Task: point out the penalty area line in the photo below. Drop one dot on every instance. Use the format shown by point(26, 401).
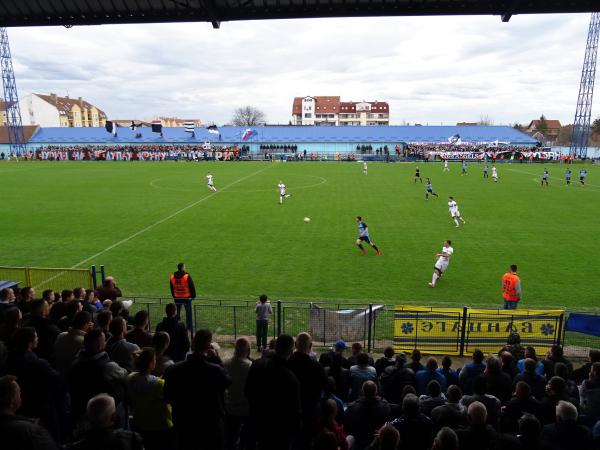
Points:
point(169, 217)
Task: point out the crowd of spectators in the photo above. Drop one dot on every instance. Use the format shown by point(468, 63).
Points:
point(78, 371)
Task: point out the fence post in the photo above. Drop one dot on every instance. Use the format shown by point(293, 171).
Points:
point(28, 276)
point(94, 282)
point(463, 331)
point(234, 324)
point(561, 335)
point(102, 273)
point(278, 317)
point(369, 331)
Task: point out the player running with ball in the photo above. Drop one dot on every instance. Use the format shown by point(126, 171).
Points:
point(443, 259)
point(363, 236)
point(282, 192)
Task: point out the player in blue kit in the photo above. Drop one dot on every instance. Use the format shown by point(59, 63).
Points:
point(363, 236)
point(582, 174)
point(545, 177)
point(429, 189)
point(568, 176)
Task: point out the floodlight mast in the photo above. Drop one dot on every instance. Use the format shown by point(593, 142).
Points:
point(583, 112)
point(16, 136)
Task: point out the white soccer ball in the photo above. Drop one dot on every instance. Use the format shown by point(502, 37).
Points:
point(307, 219)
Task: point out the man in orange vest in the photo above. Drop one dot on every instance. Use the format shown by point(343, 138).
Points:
point(511, 288)
point(183, 292)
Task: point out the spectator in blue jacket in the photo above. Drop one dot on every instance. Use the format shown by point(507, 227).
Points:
point(429, 373)
point(471, 371)
point(450, 374)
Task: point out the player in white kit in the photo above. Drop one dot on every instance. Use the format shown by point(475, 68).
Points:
point(494, 174)
point(209, 182)
point(441, 264)
point(454, 212)
point(365, 167)
point(282, 192)
point(446, 168)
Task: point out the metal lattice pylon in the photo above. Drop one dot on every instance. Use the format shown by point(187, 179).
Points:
point(16, 136)
point(583, 113)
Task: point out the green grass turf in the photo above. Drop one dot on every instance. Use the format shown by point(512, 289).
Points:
point(240, 242)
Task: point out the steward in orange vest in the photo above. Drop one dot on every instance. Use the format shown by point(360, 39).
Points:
point(182, 286)
point(511, 288)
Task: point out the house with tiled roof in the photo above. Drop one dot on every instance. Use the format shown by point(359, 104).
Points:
point(51, 110)
point(547, 132)
point(330, 111)
point(171, 122)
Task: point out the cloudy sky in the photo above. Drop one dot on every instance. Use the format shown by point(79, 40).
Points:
point(438, 70)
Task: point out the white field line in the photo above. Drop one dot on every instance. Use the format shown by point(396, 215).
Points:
point(169, 217)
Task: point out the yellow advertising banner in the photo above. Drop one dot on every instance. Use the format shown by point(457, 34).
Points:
point(459, 331)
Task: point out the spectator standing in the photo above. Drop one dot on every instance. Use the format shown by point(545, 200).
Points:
point(357, 349)
point(183, 292)
point(10, 324)
point(453, 414)
point(385, 361)
point(387, 438)
point(514, 347)
point(26, 296)
point(508, 364)
point(427, 374)
point(46, 331)
point(394, 379)
point(471, 371)
point(555, 356)
point(530, 433)
point(41, 388)
point(263, 310)
point(522, 402)
point(365, 416)
point(565, 433)
point(359, 374)
point(69, 343)
point(589, 393)
point(330, 424)
point(312, 379)
point(140, 335)
point(531, 353)
point(446, 370)
point(93, 373)
point(179, 342)
point(101, 412)
point(511, 288)
point(491, 403)
point(109, 290)
point(446, 439)
point(236, 403)
point(119, 350)
point(498, 383)
point(18, 432)
point(415, 428)
point(151, 415)
point(160, 343)
point(272, 386)
point(432, 398)
point(583, 372)
point(195, 389)
point(478, 435)
point(556, 391)
point(338, 349)
point(415, 361)
point(536, 381)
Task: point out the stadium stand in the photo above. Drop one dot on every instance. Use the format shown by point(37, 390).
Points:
point(71, 389)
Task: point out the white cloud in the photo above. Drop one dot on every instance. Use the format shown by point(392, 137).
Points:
point(432, 70)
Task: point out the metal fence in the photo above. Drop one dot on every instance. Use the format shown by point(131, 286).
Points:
point(373, 325)
point(42, 278)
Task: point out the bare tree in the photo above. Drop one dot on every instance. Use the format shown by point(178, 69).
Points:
point(248, 116)
point(485, 120)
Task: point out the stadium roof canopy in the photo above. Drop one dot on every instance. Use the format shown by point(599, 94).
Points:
point(288, 135)
point(15, 13)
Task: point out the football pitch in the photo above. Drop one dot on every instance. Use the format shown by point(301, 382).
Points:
point(140, 219)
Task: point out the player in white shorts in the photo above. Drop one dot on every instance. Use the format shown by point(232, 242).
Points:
point(282, 192)
point(494, 174)
point(365, 167)
point(454, 212)
point(446, 168)
point(443, 259)
point(209, 182)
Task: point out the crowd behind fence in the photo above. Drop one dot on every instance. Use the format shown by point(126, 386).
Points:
point(459, 330)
